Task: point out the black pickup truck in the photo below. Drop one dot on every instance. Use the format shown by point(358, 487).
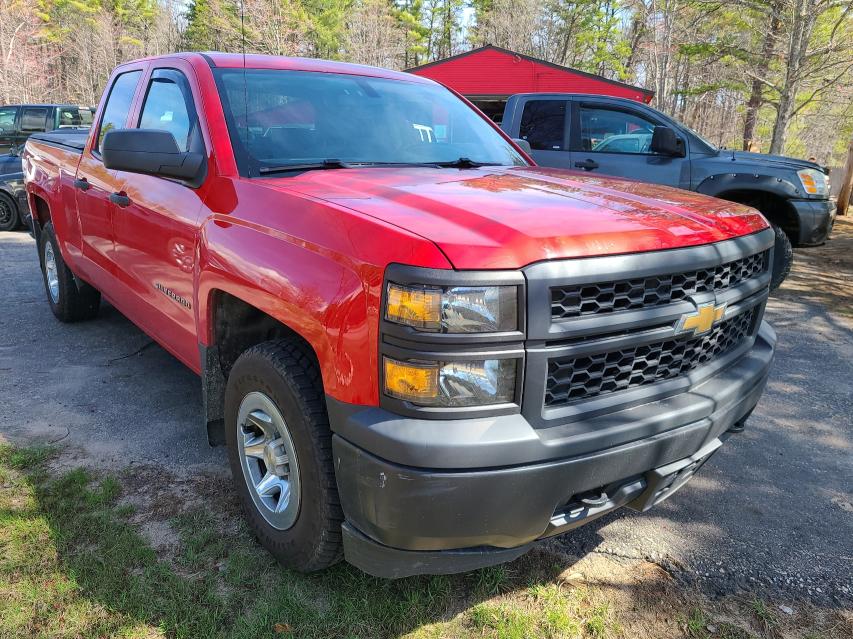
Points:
point(616, 136)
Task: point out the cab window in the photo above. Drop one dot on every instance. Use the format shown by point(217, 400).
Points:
point(118, 104)
point(33, 119)
point(169, 107)
point(613, 131)
point(543, 124)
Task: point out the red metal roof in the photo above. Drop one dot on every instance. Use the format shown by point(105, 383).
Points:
point(492, 71)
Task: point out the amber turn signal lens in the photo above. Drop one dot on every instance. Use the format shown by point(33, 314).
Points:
point(417, 307)
point(410, 382)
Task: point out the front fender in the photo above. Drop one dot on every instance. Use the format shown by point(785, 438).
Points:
point(720, 184)
point(323, 282)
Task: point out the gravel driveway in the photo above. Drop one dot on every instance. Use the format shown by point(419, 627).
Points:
point(772, 512)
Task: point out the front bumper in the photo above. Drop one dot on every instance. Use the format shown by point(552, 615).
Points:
point(458, 512)
point(816, 219)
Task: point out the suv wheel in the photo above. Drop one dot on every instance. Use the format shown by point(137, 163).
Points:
point(8, 213)
point(280, 453)
point(69, 301)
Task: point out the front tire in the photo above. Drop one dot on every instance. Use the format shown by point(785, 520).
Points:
point(783, 257)
point(9, 216)
point(69, 301)
point(280, 453)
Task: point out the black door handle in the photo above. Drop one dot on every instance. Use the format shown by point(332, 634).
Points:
point(120, 199)
point(82, 184)
point(587, 165)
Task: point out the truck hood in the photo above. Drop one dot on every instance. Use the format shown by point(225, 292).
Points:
point(508, 217)
point(762, 160)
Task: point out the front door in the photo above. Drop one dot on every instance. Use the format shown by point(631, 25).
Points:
point(156, 224)
point(610, 140)
point(96, 186)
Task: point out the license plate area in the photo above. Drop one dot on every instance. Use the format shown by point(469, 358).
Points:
point(663, 482)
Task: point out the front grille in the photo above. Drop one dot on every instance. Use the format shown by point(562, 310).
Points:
point(622, 295)
point(575, 378)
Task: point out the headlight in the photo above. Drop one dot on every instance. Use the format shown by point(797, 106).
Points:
point(814, 182)
point(453, 309)
point(451, 384)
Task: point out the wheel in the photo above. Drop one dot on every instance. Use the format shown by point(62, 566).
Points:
point(280, 453)
point(69, 301)
point(783, 257)
point(9, 218)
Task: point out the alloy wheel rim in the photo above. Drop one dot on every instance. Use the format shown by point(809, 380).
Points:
point(268, 460)
point(50, 272)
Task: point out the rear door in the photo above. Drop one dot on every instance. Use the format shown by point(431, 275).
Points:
point(544, 124)
point(613, 139)
point(8, 118)
point(97, 186)
point(156, 226)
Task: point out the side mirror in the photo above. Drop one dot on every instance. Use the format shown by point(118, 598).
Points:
point(152, 152)
point(524, 144)
point(665, 142)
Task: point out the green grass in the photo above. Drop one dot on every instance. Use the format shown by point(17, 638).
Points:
point(72, 564)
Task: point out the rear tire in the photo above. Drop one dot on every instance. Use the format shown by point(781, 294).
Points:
point(9, 216)
point(69, 301)
point(783, 257)
point(279, 443)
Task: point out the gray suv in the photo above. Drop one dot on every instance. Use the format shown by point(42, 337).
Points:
point(616, 136)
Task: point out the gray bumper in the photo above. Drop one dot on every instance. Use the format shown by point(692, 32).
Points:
point(405, 518)
point(816, 218)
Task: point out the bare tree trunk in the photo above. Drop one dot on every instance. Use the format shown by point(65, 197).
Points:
point(846, 183)
point(802, 26)
point(756, 96)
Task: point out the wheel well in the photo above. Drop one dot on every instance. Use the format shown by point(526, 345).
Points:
point(236, 327)
point(42, 210)
point(775, 208)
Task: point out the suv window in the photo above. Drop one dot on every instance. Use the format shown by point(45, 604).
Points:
point(118, 104)
point(33, 119)
point(543, 124)
point(169, 107)
point(614, 131)
point(7, 118)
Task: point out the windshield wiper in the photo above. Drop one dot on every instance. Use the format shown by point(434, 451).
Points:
point(330, 163)
point(465, 163)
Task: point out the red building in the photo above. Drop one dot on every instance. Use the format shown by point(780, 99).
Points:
point(489, 75)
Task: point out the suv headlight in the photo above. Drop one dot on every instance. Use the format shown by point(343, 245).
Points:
point(814, 182)
point(453, 309)
point(451, 384)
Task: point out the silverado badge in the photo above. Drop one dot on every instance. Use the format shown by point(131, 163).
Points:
point(701, 320)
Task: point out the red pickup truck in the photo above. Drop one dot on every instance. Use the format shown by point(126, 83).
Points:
point(423, 352)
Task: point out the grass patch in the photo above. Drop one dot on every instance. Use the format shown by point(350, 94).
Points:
point(72, 564)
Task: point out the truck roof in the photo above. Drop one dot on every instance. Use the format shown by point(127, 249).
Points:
point(219, 60)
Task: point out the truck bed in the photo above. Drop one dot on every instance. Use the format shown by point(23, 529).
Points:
point(69, 139)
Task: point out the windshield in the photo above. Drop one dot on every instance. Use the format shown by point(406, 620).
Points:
point(279, 117)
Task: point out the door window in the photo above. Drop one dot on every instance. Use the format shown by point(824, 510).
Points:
point(7, 119)
point(169, 107)
point(543, 124)
point(612, 131)
point(118, 104)
point(33, 119)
